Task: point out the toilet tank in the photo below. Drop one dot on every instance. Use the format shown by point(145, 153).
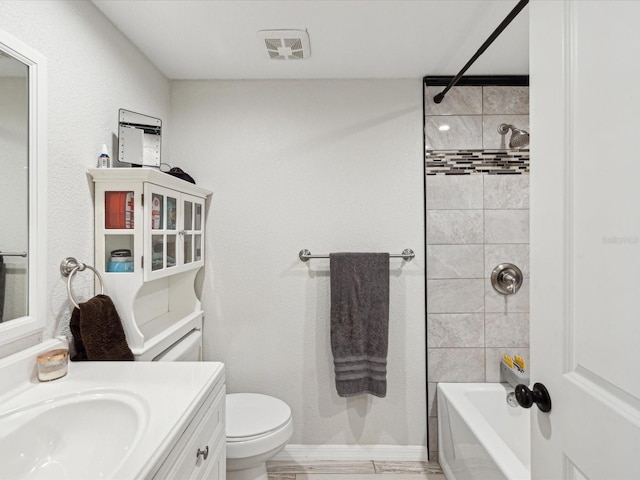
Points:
point(187, 349)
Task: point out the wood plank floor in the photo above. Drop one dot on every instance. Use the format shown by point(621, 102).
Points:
point(367, 470)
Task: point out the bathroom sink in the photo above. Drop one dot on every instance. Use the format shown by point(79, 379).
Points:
point(103, 420)
point(78, 436)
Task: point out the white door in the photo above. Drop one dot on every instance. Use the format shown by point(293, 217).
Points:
point(585, 237)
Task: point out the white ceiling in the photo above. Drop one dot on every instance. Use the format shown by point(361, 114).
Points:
point(216, 39)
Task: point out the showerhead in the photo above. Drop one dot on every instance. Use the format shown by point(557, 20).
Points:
point(519, 138)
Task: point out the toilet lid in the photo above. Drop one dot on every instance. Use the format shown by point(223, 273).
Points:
point(251, 414)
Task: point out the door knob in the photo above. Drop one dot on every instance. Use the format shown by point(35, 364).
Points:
point(539, 395)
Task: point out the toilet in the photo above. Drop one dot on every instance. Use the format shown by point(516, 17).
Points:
point(258, 427)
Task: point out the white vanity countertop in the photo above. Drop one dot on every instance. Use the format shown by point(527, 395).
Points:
point(166, 396)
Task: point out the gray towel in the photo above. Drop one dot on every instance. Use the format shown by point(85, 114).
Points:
point(360, 322)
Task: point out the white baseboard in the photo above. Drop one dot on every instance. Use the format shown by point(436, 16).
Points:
point(346, 453)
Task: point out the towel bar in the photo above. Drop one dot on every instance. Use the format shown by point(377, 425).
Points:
point(68, 268)
point(407, 254)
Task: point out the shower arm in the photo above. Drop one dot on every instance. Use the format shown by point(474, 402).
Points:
point(496, 33)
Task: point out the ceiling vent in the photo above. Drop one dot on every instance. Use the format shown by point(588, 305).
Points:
point(286, 44)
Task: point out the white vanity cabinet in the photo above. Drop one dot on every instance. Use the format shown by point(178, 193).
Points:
point(199, 453)
point(149, 247)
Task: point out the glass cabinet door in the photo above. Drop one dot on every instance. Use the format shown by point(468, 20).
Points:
point(172, 230)
point(175, 223)
point(197, 227)
point(161, 213)
point(157, 226)
point(193, 229)
point(188, 235)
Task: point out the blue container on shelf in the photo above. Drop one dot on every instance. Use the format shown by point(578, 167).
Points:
point(121, 261)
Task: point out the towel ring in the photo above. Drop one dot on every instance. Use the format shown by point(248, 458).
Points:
point(68, 268)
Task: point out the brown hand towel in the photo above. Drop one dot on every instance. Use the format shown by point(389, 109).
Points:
point(97, 331)
point(360, 322)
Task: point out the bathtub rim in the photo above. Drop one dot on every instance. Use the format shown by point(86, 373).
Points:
point(454, 393)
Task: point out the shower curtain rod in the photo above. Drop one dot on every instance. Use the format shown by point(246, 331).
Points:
point(496, 33)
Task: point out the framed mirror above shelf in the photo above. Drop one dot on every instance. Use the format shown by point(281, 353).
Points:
point(23, 159)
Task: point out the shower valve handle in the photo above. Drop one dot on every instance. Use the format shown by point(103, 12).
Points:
point(539, 395)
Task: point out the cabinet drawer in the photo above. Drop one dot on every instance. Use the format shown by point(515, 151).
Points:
point(205, 433)
point(209, 438)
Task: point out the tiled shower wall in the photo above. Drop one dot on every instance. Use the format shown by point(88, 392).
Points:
point(477, 201)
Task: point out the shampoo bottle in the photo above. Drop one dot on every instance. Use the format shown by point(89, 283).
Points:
point(104, 161)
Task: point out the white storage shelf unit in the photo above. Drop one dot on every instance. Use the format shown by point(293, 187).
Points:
point(149, 246)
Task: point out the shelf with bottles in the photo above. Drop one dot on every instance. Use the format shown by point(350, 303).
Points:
point(119, 253)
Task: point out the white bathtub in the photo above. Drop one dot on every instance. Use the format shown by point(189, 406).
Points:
point(480, 437)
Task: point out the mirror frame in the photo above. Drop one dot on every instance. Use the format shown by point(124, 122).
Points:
point(33, 324)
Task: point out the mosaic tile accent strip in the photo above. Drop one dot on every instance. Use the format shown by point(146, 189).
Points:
point(470, 162)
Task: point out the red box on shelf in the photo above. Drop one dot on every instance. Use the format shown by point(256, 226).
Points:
point(118, 210)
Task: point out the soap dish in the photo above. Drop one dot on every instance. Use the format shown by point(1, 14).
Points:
point(512, 376)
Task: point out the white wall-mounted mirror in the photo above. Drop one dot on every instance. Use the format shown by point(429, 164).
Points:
point(14, 184)
point(23, 193)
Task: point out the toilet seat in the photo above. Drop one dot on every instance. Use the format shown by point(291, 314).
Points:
point(253, 414)
point(256, 424)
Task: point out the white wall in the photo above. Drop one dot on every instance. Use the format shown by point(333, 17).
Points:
point(324, 165)
point(93, 70)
